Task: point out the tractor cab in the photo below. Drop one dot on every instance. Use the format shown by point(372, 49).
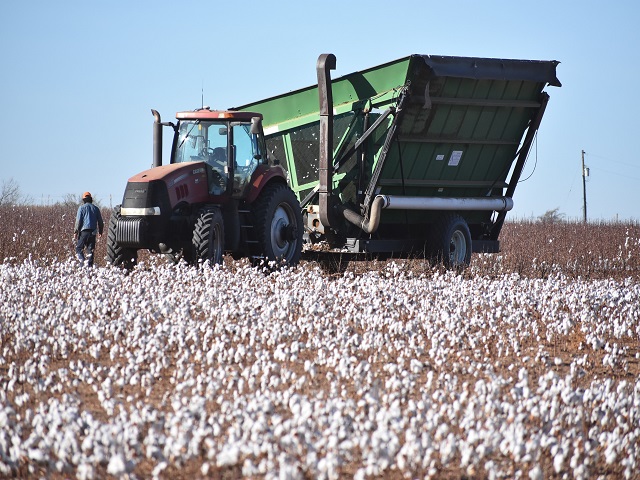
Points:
point(230, 144)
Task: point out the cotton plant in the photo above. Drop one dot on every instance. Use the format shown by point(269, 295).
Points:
point(182, 371)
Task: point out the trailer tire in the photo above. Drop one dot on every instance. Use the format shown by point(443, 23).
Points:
point(208, 236)
point(116, 255)
point(278, 225)
point(451, 241)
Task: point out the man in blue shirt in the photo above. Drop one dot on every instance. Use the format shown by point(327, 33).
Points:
point(88, 223)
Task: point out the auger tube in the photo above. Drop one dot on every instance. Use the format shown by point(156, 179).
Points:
point(393, 202)
point(463, 204)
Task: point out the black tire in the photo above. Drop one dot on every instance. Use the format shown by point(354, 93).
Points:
point(451, 241)
point(116, 255)
point(278, 225)
point(208, 236)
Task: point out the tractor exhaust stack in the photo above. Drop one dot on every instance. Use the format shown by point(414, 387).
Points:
point(157, 139)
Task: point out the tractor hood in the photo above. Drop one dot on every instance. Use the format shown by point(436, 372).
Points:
point(170, 174)
point(160, 189)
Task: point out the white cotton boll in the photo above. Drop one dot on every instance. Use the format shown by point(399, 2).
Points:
point(117, 465)
point(36, 455)
point(324, 466)
point(558, 462)
point(159, 468)
point(135, 379)
point(229, 456)
point(287, 470)
point(448, 449)
point(249, 469)
point(536, 473)
point(85, 472)
point(361, 474)
point(307, 410)
point(610, 453)
point(416, 366)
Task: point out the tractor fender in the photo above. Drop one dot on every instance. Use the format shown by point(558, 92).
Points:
point(263, 176)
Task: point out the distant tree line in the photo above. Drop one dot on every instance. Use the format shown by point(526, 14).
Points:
point(552, 216)
point(10, 194)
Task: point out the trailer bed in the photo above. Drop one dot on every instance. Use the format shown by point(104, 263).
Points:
point(422, 127)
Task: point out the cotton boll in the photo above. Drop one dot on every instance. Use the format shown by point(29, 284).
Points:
point(117, 465)
point(558, 462)
point(159, 468)
point(85, 472)
point(228, 456)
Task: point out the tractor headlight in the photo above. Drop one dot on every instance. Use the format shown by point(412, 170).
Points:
point(139, 212)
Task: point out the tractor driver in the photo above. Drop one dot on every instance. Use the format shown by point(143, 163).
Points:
point(216, 158)
point(215, 155)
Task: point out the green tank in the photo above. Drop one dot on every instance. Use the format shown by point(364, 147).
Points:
point(418, 155)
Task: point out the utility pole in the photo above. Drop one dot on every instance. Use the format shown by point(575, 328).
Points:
point(585, 174)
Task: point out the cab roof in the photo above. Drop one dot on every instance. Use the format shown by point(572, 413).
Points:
point(206, 114)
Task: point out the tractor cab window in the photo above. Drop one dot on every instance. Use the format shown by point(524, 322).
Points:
point(246, 156)
point(205, 142)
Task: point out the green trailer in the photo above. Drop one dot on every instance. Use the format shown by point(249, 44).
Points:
point(420, 155)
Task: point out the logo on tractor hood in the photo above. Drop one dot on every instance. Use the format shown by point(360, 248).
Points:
point(178, 179)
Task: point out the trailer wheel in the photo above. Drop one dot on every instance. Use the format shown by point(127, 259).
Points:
point(278, 225)
point(451, 241)
point(117, 255)
point(208, 236)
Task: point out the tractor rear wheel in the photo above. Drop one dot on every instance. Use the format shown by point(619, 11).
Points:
point(208, 236)
point(278, 225)
point(451, 241)
point(117, 255)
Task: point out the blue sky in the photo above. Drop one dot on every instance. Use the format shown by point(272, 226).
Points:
point(79, 78)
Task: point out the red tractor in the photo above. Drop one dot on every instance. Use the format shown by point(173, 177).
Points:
point(220, 192)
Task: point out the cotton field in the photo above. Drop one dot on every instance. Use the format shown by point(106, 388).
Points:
point(190, 372)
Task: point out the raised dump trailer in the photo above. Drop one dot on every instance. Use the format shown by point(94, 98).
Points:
point(420, 155)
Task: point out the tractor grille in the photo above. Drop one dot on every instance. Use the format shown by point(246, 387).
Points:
point(131, 232)
point(147, 194)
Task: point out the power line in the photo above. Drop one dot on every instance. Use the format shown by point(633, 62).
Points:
point(615, 173)
point(611, 160)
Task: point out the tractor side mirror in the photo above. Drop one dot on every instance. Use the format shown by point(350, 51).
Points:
point(256, 125)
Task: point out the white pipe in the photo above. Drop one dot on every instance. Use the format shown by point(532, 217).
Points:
point(392, 202)
point(499, 204)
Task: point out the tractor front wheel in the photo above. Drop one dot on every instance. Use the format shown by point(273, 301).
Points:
point(208, 236)
point(117, 255)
